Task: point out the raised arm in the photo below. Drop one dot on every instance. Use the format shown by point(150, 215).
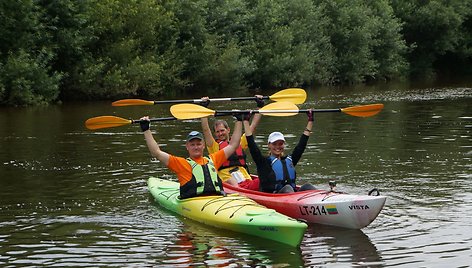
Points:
point(257, 117)
point(205, 126)
point(209, 140)
point(302, 143)
point(253, 148)
point(235, 138)
point(151, 143)
point(309, 124)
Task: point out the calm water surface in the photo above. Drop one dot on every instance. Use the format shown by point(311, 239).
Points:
point(73, 197)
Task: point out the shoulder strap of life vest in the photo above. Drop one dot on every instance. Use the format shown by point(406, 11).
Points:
point(204, 177)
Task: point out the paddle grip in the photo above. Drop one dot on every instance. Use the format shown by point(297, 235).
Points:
point(144, 124)
point(311, 115)
point(260, 102)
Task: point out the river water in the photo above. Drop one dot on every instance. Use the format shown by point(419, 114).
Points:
point(74, 197)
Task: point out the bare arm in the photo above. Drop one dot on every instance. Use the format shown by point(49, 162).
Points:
point(247, 128)
point(235, 139)
point(154, 147)
point(309, 124)
point(207, 132)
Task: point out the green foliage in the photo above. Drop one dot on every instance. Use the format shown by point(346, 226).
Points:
point(434, 28)
point(390, 49)
point(224, 65)
point(26, 81)
point(366, 41)
point(107, 49)
point(122, 53)
point(26, 54)
point(288, 44)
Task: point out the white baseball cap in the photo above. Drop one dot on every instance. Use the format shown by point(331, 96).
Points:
point(275, 136)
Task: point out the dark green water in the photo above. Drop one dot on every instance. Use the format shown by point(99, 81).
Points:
point(73, 197)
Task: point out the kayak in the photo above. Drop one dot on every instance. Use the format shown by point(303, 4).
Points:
point(232, 212)
point(326, 207)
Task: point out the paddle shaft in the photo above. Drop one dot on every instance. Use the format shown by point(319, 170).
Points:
point(211, 100)
point(227, 112)
point(155, 119)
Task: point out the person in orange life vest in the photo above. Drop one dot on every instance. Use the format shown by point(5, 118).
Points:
point(277, 171)
point(197, 174)
point(234, 171)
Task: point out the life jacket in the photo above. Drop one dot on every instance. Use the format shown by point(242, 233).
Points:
point(238, 158)
point(204, 181)
point(284, 172)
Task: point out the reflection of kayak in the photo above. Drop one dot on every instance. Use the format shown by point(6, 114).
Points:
point(354, 245)
point(233, 212)
point(320, 206)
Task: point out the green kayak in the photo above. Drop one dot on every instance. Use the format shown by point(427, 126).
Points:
point(232, 212)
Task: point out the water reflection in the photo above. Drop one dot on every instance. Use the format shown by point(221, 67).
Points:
point(325, 245)
point(202, 245)
point(198, 245)
point(72, 238)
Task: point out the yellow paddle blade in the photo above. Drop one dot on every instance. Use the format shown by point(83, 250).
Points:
point(131, 102)
point(363, 110)
point(106, 122)
point(293, 95)
point(280, 108)
point(190, 111)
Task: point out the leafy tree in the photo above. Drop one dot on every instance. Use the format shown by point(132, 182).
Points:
point(52, 50)
point(26, 54)
point(365, 38)
point(27, 80)
point(390, 49)
point(225, 65)
point(118, 56)
point(432, 29)
point(287, 44)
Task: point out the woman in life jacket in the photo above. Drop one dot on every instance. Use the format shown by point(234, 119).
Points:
point(277, 172)
point(197, 174)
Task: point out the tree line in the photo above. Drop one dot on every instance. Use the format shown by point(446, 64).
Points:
point(54, 50)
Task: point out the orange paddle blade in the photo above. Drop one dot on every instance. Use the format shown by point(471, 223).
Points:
point(106, 122)
point(363, 110)
point(131, 102)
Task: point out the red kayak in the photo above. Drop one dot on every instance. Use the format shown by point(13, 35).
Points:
point(328, 207)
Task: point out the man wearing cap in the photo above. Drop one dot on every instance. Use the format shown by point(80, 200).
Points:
point(277, 171)
point(197, 174)
point(235, 170)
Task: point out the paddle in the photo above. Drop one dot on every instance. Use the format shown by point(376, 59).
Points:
point(191, 111)
point(293, 95)
point(108, 121)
